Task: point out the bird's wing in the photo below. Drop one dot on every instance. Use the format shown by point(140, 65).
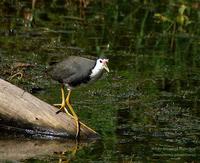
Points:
point(62, 70)
point(71, 69)
point(81, 70)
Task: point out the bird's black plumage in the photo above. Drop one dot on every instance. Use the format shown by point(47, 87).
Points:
point(72, 71)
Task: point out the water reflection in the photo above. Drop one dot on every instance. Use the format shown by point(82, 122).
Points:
point(18, 149)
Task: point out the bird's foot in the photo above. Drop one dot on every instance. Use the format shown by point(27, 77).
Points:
point(77, 127)
point(62, 108)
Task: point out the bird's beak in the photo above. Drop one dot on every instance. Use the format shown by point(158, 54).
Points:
point(105, 66)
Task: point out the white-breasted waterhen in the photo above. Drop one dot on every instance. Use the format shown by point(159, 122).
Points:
point(74, 71)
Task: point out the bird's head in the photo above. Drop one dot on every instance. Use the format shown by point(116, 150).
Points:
point(102, 64)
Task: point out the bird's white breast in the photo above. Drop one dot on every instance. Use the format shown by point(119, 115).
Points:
point(96, 73)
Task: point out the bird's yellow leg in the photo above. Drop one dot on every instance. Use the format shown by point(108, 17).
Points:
point(63, 104)
point(73, 113)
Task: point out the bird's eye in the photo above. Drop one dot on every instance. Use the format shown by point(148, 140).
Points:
point(100, 61)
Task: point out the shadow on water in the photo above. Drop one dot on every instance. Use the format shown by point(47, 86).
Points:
point(145, 109)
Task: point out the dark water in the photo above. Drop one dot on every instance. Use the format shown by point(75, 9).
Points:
point(146, 109)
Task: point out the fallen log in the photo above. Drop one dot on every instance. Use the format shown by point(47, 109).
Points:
point(21, 112)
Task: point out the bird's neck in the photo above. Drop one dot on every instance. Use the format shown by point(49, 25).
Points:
point(96, 72)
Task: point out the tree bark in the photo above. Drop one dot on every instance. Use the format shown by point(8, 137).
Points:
point(23, 113)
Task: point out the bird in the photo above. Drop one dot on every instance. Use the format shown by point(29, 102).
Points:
point(74, 71)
